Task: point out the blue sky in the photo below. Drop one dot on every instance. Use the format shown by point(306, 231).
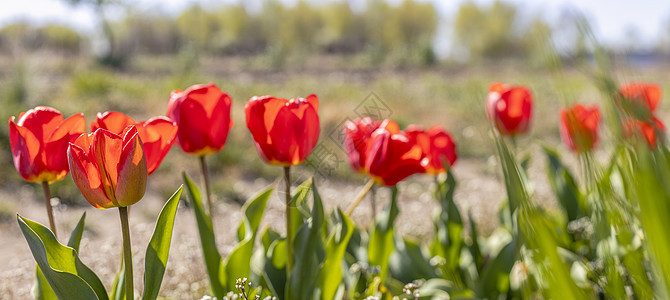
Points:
point(611, 18)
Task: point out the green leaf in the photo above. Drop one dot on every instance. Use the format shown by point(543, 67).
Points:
point(410, 261)
point(66, 274)
point(494, 280)
point(542, 238)
point(330, 276)
point(381, 240)
point(158, 249)
point(564, 187)
point(237, 265)
point(41, 289)
point(274, 271)
point(448, 241)
point(119, 284)
point(307, 254)
point(211, 254)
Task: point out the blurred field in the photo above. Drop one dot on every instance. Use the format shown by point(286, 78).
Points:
point(448, 95)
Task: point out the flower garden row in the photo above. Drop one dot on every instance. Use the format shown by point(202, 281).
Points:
point(111, 164)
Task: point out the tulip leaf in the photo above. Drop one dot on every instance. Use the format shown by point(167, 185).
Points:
point(307, 254)
point(237, 265)
point(380, 245)
point(119, 284)
point(448, 240)
point(274, 271)
point(158, 250)
point(41, 289)
point(564, 187)
point(66, 274)
point(213, 261)
point(330, 276)
point(494, 279)
point(410, 261)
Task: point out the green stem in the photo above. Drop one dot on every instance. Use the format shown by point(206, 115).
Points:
point(289, 239)
point(203, 168)
point(373, 203)
point(368, 186)
point(50, 211)
point(127, 252)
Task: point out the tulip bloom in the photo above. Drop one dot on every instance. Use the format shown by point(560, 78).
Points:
point(437, 145)
point(284, 131)
point(110, 170)
point(579, 127)
point(356, 136)
point(648, 130)
point(510, 108)
point(641, 95)
point(392, 156)
point(39, 141)
point(202, 113)
point(157, 134)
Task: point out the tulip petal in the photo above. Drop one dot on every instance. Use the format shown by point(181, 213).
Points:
point(132, 171)
point(113, 121)
point(105, 152)
point(41, 121)
point(87, 177)
point(55, 153)
point(157, 135)
point(25, 149)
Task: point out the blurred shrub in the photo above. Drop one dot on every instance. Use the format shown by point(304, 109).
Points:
point(145, 33)
point(23, 36)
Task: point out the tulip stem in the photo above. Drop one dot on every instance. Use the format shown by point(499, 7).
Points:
point(368, 186)
point(289, 238)
point(373, 203)
point(208, 192)
point(127, 252)
point(50, 211)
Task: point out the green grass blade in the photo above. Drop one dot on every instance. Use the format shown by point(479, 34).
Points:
point(158, 250)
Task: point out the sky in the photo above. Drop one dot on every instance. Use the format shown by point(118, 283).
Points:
point(611, 19)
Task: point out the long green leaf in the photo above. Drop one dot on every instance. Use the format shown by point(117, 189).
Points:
point(564, 187)
point(66, 274)
point(158, 249)
point(448, 240)
point(237, 265)
point(211, 254)
point(41, 289)
point(381, 246)
point(307, 254)
point(330, 276)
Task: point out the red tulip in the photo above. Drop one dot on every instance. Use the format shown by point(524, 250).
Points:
point(110, 170)
point(510, 108)
point(648, 130)
point(437, 145)
point(392, 156)
point(284, 131)
point(643, 95)
point(203, 115)
point(39, 141)
point(356, 136)
point(579, 127)
point(157, 134)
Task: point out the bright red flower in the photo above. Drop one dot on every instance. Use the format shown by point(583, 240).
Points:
point(648, 130)
point(639, 94)
point(579, 126)
point(391, 156)
point(39, 141)
point(157, 134)
point(356, 136)
point(284, 131)
point(203, 114)
point(437, 145)
point(510, 108)
point(110, 170)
